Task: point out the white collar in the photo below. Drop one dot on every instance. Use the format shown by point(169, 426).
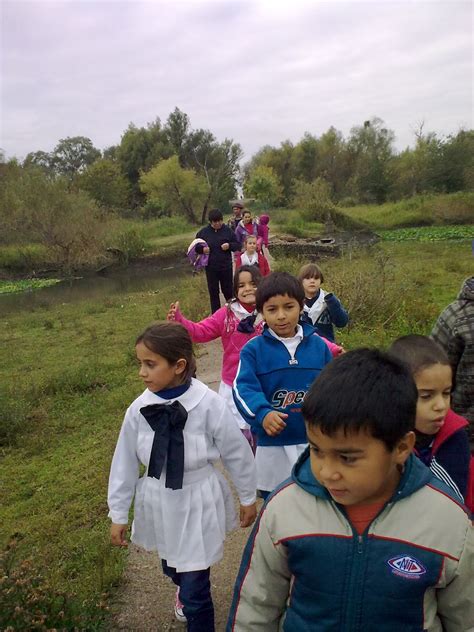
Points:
point(189, 399)
point(297, 337)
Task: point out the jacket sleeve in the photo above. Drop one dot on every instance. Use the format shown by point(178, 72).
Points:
point(199, 248)
point(332, 346)
point(263, 583)
point(233, 240)
point(236, 455)
point(266, 267)
point(247, 390)
point(455, 602)
point(444, 334)
point(205, 330)
point(338, 314)
point(238, 260)
point(124, 471)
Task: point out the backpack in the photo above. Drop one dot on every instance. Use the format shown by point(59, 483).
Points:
point(198, 261)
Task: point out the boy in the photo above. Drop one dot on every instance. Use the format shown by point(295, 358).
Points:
point(274, 374)
point(362, 537)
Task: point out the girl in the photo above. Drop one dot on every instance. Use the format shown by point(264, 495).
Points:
point(177, 428)
point(251, 257)
point(263, 230)
point(441, 439)
point(235, 324)
point(321, 309)
point(246, 226)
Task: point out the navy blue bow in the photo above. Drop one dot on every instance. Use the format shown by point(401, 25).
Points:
point(247, 324)
point(167, 421)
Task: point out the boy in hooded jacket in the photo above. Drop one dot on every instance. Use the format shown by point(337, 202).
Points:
point(362, 536)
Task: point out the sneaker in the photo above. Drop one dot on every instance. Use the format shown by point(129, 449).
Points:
point(178, 609)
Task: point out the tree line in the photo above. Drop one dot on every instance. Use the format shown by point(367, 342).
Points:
point(169, 168)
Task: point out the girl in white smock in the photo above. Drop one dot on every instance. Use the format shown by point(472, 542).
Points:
point(177, 428)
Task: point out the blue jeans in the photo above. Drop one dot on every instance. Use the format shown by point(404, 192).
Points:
point(195, 595)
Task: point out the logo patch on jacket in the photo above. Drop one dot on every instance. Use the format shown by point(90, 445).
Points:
point(283, 398)
point(406, 566)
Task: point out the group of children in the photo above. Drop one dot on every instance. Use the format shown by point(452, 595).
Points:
point(363, 468)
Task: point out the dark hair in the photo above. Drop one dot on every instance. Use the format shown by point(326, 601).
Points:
point(279, 284)
point(310, 271)
point(363, 389)
point(215, 215)
point(252, 270)
point(171, 341)
point(418, 352)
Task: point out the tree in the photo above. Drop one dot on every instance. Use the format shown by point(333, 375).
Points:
point(72, 155)
point(177, 130)
point(40, 210)
point(264, 184)
point(314, 198)
point(106, 184)
point(175, 189)
point(40, 159)
point(371, 153)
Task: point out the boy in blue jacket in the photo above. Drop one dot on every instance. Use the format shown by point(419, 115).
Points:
point(362, 537)
point(275, 371)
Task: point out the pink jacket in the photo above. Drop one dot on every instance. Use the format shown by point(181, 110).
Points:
point(223, 324)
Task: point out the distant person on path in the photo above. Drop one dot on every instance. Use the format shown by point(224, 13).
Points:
point(263, 231)
point(246, 226)
point(221, 243)
point(321, 309)
point(251, 257)
point(441, 438)
point(454, 331)
point(362, 537)
point(178, 428)
point(237, 209)
point(235, 324)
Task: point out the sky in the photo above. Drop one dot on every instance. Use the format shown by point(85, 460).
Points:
point(255, 71)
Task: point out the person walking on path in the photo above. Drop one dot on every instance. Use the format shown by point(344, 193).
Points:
point(177, 428)
point(454, 331)
point(221, 243)
point(247, 226)
point(237, 209)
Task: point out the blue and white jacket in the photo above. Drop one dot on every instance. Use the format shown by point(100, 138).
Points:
point(306, 569)
point(324, 313)
point(268, 378)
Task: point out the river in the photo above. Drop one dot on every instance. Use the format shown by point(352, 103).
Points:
point(134, 278)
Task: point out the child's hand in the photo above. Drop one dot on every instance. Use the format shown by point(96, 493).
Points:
point(225, 246)
point(273, 423)
point(206, 250)
point(248, 513)
point(172, 311)
point(117, 534)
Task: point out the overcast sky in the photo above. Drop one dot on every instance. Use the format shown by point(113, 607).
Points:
point(256, 71)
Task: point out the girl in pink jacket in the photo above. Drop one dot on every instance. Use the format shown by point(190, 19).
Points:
point(235, 324)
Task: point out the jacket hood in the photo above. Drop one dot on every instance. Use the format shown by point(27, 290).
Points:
point(452, 423)
point(264, 219)
point(415, 476)
point(467, 290)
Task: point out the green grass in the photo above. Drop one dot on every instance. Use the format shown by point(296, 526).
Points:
point(423, 210)
point(24, 257)
point(428, 233)
point(8, 287)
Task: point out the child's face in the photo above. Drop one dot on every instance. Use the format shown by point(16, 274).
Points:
point(282, 313)
point(356, 468)
point(247, 217)
point(434, 394)
point(246, 289)
point(251, 245)
point(156, 372)
point(311, 286)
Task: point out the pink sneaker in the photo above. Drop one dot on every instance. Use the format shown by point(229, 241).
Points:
point(178, 609)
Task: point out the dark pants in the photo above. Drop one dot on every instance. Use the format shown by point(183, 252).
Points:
point(195, 595)
point(222, 277)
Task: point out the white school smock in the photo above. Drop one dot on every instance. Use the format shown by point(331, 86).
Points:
point(187, 526)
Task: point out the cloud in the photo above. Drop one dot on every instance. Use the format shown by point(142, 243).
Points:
point(255, 71)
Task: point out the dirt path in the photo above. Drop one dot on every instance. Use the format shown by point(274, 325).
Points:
point(145, 599)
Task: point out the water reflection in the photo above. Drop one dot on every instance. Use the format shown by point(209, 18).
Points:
point(135, 278)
